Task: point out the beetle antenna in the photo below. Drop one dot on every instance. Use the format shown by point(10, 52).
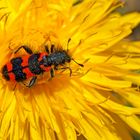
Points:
point(78, 63)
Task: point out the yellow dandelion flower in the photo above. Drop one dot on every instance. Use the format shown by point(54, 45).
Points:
point(98, 101)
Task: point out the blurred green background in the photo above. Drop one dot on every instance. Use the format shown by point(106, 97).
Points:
point(131, 5)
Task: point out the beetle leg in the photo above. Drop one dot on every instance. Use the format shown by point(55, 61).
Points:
point(32, 82)
point(14, 86)
point(52, 72)
point(68, 69)
point(26, 48)
point(52, 48)
point(64, 68)
point(47, 49)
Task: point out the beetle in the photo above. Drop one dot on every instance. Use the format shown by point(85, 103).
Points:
point(33, 64)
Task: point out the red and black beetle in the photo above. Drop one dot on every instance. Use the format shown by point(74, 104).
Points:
point(33, 64)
